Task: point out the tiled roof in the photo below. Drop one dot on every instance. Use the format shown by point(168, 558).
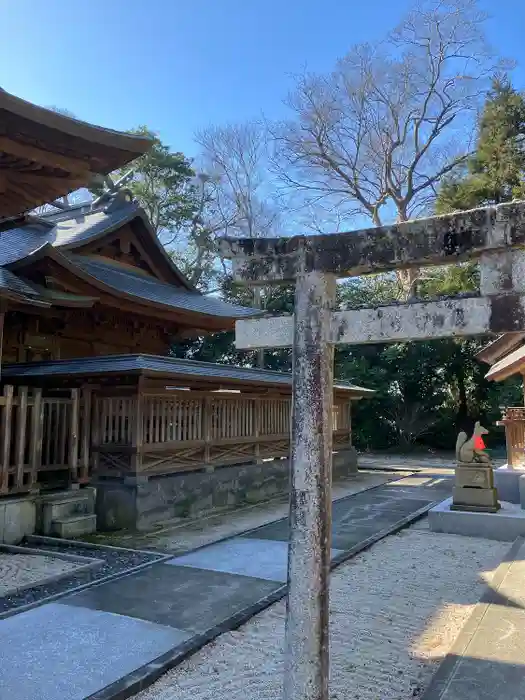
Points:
point(11, 285)
point(66, 231)
point(156, 364)
point(19, 243)
point(144, 287)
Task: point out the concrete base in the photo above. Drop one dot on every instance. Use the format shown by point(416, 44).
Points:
point(507, 483)
point(140, 504)
point(17, 518)
point(505, 525)
point(74, 526)
point(63, 505)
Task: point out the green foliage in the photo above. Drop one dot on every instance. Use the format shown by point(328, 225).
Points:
point(220, 347)
point(426, 392)
point(163, 184)
point(496, 172)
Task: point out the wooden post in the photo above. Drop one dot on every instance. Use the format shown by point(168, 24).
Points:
point(207, 427)
point(85, 433)
point(350, 423)
point(95, 434)
point(306, 647)
point(3, 307)
point(137, 441)
point(7, 416)
point(21, 430)
point(257, 429)
point(73, 436)
point(37, 424)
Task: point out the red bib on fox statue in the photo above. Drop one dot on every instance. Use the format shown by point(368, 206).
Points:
point(478, 443)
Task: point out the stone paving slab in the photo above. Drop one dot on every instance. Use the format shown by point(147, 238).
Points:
point(487, 661)
point(57, 652)
point(263, 559)
point(186, 598)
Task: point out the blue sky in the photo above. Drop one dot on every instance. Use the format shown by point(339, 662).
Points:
point(179, 66)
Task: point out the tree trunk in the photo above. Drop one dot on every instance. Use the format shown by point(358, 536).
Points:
point(257, 304)
point(407, 278)
point(462, 413)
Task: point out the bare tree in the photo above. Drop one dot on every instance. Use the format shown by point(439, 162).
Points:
point(374, 137)
point(235, 158)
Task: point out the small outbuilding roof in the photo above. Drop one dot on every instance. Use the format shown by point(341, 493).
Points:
point(156, 366)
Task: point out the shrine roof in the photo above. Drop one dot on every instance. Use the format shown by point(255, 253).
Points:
point(500, 347)
point(513, 363)
point(12, 287)
point(65, 230)
point(61, 234)
point(135, 284)
point(156, 366)
point(45, 154)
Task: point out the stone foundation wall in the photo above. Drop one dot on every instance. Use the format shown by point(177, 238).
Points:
point(140, 503)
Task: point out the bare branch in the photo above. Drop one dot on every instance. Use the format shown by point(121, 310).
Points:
point(379, 131)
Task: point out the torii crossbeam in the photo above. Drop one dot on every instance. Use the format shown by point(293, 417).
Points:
point(495, 236)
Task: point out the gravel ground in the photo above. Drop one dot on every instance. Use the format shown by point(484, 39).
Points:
point(395, 611)
point(17, 570)
point(115, 562)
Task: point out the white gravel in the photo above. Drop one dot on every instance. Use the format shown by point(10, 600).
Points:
point(395, 611)
point(21, 570)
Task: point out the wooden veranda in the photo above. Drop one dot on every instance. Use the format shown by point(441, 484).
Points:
point(70, 421)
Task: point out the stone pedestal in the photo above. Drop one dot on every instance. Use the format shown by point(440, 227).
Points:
point(474, 488)
point(504, 525)
point(507, 482)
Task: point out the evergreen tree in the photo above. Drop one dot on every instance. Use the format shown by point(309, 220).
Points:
point(496, 172)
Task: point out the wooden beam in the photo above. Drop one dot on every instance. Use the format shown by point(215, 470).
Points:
point(5, 431)
point(21, 426)
point(37, 155)
point(438, 240)
point(3, 308)
point(37, 426)
point(455, 317)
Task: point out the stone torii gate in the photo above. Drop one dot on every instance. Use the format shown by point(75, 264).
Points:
point(491, 235)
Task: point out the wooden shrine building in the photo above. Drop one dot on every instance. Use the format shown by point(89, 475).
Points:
point(506, 356)
point(90, 306)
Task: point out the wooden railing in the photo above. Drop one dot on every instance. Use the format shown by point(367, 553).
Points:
point(47, 440)
point(160, 433)
point(514, 421)
point(40, 434)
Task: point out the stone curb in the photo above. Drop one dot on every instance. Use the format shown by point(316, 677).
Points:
point(91, 584)
point(45, 539)
point(83, 562)
point(19, 549)
point(146, 675)
point(448, 666)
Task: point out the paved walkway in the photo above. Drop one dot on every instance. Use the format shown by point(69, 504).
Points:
point(182, 535)
point(487, 659)
point(103, 642)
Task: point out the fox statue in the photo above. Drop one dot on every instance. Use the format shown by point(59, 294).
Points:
point(467, 451)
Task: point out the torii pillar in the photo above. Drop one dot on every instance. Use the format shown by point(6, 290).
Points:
point(492, 235)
